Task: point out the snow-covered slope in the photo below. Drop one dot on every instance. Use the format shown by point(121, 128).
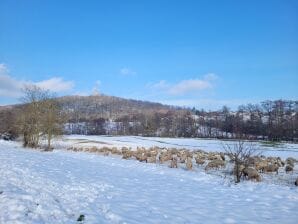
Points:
point(59, 186)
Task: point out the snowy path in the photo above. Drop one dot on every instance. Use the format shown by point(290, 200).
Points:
point(56, 187)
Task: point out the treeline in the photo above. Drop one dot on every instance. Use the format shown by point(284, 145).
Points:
point(171, 123)
point(107, 115)
point(270, 120)
point(117, 116)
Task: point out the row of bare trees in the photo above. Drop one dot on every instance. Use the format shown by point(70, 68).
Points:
point(272, 120)
point(165, 124)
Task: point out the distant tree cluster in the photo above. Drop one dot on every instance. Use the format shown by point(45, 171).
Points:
point(165, 124)
point(8, 122)
point(271, 120)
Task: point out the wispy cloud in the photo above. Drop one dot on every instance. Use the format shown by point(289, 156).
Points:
point(184, 87)
point(3, 69)
point(127, 71)
point(162, 85)
point(9, 86)
point(190, 85)
point(55, 84)
point(96, 88)
point(12, 87)
point(210, 77)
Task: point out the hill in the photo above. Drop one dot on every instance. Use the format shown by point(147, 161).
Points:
point(109, 115)
point(118, 116)
point(109, 107)
point(102, 114)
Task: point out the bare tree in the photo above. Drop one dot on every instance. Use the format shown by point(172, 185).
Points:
point(39, 117)
point(30, 118)
point(240, 152)
point(52, 120)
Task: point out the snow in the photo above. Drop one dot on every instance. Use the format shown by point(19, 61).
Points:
point(210, 145)
point(59, 186)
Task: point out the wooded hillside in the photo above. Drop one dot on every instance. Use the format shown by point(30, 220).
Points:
point(96, 115)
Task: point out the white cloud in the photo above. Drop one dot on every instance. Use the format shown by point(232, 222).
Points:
point(3, 69)
point(162, 84)
point(55, 84)
point(12, 87)
point(96, 88)
point(127, 71)
point(210, 77)
point(94, 91)
point(186, 86)
point(190, 85)
point(9, 87)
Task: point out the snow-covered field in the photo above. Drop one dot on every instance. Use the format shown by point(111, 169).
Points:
point(283, 150)
point(59, 186)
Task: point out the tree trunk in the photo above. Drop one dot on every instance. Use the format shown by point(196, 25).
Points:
point(49, 142)
point(237, 171)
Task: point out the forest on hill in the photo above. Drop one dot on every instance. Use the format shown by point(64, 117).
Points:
point(108, 115)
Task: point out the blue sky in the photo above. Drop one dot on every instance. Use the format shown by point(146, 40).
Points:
point(194, 53)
